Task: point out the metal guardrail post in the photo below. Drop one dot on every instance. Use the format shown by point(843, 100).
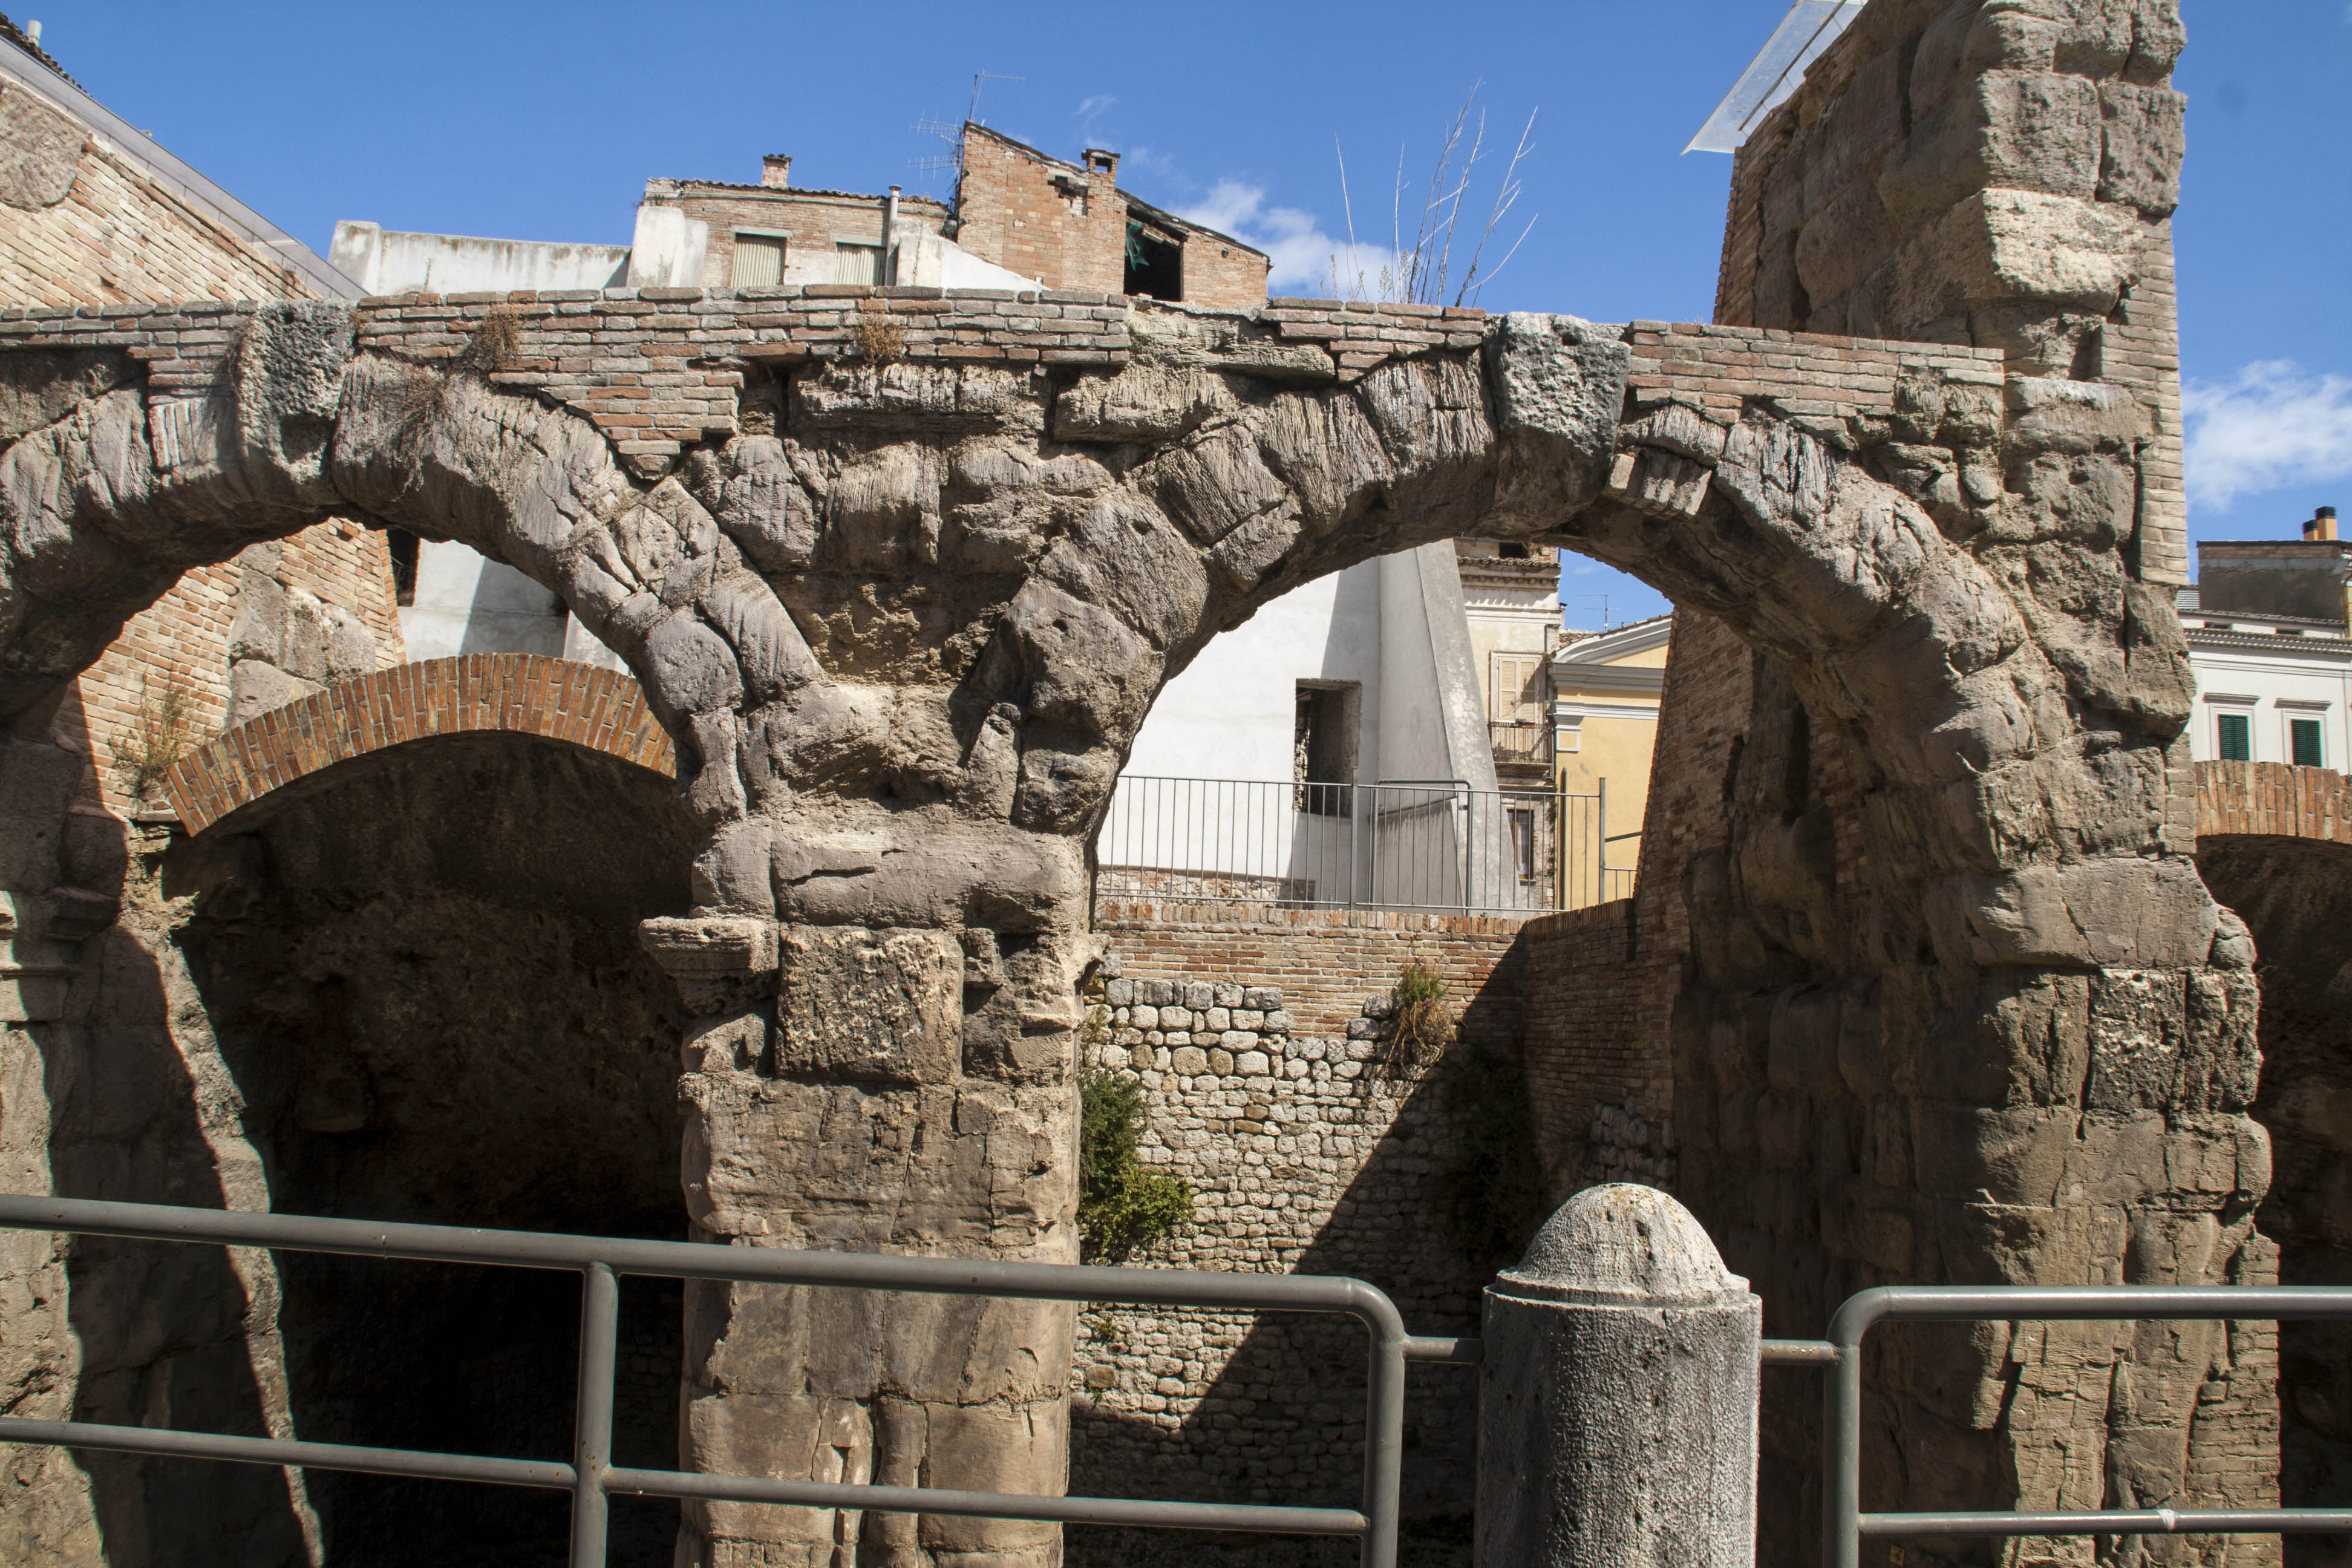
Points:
point(1384, 1429)
point(591, 1433)
point(1842, 1441)
point(1843, 1523)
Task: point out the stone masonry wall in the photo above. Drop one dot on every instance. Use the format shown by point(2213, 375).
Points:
point(1270, 1098)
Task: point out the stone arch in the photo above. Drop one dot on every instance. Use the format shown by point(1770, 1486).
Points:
point(2274, 842)
point(527, 694)
point(904, 620)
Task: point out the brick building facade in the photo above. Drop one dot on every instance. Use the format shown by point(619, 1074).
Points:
point(87, 223)
point(1070, 225)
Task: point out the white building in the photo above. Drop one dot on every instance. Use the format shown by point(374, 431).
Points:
point(1358, 741)
point(2267, 629)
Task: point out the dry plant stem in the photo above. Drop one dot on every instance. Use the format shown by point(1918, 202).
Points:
point(160, 734)
point(880, 340)
point(1418, 271)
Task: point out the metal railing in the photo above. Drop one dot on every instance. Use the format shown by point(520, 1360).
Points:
point(1844, 1524)
point(1513, 741)
point(593, 1480)
point(1402, 843)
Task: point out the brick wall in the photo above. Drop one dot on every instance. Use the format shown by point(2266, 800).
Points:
point(1222, 275)
point(182, 640)
point(527, 694)
point(115, 234)
point(1011, 213)
point(1305, 1159)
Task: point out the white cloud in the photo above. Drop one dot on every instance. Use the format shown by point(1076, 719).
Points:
point(2272, 424)
point(1305, 257)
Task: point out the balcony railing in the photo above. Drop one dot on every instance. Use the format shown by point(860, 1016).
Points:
point(1429, 845)
point(1525, 743)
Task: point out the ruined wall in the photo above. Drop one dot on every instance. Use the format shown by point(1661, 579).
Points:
point(1011, 212)
point(2275, 843)
point(904, 616)
point(86, 227)
point(1999, 176)
point(416, 994)
point(1258, 1036)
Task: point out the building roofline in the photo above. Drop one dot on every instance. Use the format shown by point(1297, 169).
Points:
point(779, 192)
point(24, 40)
point(1633, 636)
point(34, 71)
point(1134, 202)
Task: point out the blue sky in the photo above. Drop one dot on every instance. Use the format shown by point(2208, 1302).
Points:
point(540, 121)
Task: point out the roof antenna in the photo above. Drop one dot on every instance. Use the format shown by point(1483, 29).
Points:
point(972, 112)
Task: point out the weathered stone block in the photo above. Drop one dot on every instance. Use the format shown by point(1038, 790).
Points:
point(883, 1007)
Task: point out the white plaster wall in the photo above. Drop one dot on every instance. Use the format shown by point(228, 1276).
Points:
point(2313, 681)
point(469, 604)
point(1232, 714)
point(386, 261)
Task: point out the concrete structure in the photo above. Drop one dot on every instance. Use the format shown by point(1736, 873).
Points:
point(1617, 1395)
point(2267, 637)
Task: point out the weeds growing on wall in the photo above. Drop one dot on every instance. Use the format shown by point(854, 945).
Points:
point(160, 734)
point(1421, 1024)
point(495, 344)
point(1123, 1203)
point(880, 340)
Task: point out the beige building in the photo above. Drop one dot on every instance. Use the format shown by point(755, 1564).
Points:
point(1605, 689)
point(1510, 599)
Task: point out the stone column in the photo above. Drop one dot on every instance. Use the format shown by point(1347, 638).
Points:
point(1617, 1402)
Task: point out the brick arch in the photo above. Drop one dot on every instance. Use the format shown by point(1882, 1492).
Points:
point(523, 694)
point(2272, 800)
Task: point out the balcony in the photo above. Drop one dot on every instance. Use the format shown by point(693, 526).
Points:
point(1520, 745)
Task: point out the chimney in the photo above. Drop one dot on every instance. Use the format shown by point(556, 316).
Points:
point(2321, 526)
point(1098, 161)
point(776, 170)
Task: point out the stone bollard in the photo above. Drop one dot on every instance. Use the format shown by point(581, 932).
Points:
point(1617, 1400)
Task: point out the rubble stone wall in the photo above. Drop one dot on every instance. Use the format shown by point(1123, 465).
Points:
point(1257, 1034)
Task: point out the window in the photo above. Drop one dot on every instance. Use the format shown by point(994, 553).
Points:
point(1519, 695)
point(1523, 841)
point(853, 263)
point(1512, 550)
point(2305, 741)
point(403, 547)
point(1323, 748)
point(1155, 263)
point(759, 262)
point(2234, 737)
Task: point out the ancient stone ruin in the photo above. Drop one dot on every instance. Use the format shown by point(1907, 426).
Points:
point(900, 573)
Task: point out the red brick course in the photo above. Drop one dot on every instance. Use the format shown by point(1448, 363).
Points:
point(530, 694)
point(2272, 800)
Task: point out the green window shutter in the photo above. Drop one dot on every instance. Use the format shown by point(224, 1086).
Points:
point(2304, 736)
point(2235, 732)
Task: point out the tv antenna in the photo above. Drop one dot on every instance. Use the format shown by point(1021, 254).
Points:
point(979, 80)
point(952, 163)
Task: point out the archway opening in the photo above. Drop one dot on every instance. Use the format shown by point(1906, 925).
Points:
point(423, 969)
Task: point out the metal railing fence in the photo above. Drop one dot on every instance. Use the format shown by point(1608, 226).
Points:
point(1409, 844)
point(1843, 1522)
point(593, 1480)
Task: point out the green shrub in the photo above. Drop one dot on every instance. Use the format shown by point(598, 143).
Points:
point(1123, 1205)
point(1420, 1022)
